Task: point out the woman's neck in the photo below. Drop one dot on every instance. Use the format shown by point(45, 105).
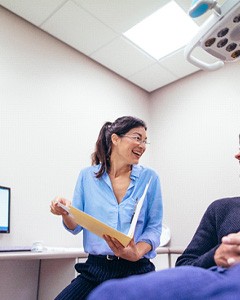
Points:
point(117, 171)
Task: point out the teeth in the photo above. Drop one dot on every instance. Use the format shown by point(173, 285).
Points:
point(137, 153)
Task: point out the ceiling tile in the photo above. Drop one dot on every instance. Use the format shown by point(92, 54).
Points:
point(34, 11)
point(95, 28)
point(122, 57)
point(152, 78)
point(177, 64)
point(76, 27)
point(121, 15)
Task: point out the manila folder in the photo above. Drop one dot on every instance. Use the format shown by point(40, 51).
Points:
point(99, 228)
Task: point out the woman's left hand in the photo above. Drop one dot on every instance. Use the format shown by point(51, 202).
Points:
point(133, 252)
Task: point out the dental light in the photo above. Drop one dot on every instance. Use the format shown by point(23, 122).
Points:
point(219, 35)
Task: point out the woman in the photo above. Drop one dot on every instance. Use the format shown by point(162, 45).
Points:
point(109, 191)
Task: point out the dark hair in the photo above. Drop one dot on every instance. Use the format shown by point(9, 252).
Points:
point(103, 146)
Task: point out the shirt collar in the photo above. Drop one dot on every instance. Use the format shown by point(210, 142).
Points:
point(135, 171)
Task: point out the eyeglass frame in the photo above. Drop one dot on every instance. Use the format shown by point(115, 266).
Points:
point(136, 139)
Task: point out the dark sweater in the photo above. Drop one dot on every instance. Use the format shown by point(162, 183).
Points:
point(221, 218)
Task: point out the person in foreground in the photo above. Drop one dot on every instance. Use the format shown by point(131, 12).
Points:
point(221, 282)
point(180, 283)
point(206, 248)
point(109, 191)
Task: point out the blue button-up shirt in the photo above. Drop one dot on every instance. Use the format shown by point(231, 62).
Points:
point(95, 196)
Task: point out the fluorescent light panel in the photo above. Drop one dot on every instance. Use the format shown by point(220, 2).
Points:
point(163, 32)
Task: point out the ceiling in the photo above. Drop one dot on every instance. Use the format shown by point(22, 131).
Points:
point(95, 28)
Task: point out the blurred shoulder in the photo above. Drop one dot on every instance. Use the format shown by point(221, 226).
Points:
point(225, 203)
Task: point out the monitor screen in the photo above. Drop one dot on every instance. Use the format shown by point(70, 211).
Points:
point(5, 196)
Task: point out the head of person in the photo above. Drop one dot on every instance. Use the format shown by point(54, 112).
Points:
point(126, 136)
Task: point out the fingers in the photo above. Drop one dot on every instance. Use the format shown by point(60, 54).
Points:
point(56, 209)
point(232, 239)
point(231, 261)
point(228, 253)
point(115, 245)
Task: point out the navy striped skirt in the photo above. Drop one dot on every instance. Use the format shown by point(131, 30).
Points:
point(99, 268)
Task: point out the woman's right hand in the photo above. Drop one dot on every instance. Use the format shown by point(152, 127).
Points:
point(56, 209)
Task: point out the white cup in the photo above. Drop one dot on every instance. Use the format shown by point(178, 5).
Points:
point(37, 246)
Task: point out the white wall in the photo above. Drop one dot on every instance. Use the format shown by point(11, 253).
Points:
point(52, 105)
point(195, 125)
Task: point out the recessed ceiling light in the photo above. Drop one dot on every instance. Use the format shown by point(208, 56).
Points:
point(165, 31)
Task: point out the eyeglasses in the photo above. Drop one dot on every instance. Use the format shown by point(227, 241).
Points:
point(136, 139)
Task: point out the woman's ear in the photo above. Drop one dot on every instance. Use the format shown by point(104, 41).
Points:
point(115, 138)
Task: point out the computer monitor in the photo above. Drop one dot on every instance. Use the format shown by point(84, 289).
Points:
point(5, 198)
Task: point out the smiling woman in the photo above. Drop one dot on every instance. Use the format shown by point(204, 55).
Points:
point(109, 191)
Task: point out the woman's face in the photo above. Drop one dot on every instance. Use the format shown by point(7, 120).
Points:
point(131, 146)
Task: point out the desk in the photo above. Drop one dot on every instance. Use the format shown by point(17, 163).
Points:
point(49, 253)
point(41, 276)
point(37, 276)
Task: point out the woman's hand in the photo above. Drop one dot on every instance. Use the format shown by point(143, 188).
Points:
point(56, 209)
point(133, 252)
